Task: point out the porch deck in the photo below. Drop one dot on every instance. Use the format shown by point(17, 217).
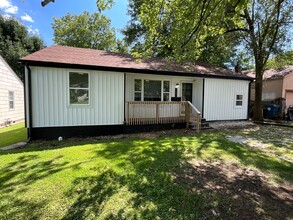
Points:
point(166, 112)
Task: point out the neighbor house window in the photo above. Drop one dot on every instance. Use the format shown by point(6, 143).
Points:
point(239, 100)
point(151, 90)
point(79, 88)
point(11, 100)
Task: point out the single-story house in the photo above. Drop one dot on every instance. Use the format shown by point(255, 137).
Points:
point(76, 91)
point(277, 84)
point(11, 95)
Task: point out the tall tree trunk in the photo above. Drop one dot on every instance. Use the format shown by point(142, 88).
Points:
point(258, 112)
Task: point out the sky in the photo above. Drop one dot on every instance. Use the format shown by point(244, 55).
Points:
point(38, 19)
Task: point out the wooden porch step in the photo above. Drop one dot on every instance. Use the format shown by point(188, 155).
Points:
point(203, 125)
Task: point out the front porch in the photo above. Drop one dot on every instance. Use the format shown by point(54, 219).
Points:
point(163, 112)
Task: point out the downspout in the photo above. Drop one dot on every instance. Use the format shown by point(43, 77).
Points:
point(25, 94)
point(124, 106)
point(29, 104)
point(202, 109)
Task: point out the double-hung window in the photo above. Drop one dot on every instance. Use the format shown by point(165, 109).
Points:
point(151, 90)
point(137, 89)
point(166, 90)
point(78, 88)
point(11, 100)
point(239, 100)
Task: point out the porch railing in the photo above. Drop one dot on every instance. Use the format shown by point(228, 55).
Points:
point(154, 112)
point(193, 116)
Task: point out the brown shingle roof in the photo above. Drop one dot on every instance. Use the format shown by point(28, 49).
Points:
point(99, 58)
point(272, 73)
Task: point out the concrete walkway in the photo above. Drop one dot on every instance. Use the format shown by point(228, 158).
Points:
point(14, 146)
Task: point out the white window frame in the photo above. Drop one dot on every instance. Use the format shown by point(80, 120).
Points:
point(11, 100)
point(136, 91)
point(89, 88)
point(163, 89)
point(142, 88)
point(238, 100)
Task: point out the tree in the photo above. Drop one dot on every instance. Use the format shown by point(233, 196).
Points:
point(281, 60)
point(216, 50)
point(121, 47)
point(15, 42)
point(85, 30)
point(264, 24)
point(259, 24)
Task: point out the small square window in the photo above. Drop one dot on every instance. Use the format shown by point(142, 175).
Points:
point(166, 97)
point(137, 85)
point(238, 103)
point(166, 86)
point(239, 97)
point(137, 96)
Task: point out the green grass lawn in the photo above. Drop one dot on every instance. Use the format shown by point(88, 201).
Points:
point(12, 134)
point(170, 177)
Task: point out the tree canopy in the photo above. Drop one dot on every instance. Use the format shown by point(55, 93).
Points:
point(85, 30)
point(281, 60)
point(214, 49)
point(16, 42)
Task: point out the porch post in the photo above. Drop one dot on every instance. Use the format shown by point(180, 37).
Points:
point(157, 112)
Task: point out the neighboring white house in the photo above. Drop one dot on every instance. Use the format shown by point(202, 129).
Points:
point(76, 91)
point(11, 95)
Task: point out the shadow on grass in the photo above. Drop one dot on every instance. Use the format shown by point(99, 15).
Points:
point(16, 208)
point(158, 182)
point(246, 155)
point(17, 177)
point(234, 192)
point(153, 179)
point(145, 185)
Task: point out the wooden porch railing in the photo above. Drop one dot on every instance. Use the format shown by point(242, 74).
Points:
point(155, 112)
point(192, 116)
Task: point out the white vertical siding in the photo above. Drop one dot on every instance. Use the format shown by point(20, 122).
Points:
point(220, 99)
point(50, 99)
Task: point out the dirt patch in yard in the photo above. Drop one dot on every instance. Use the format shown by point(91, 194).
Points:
point(233, 192)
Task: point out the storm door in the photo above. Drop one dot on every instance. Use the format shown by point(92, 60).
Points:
point(187, 92)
